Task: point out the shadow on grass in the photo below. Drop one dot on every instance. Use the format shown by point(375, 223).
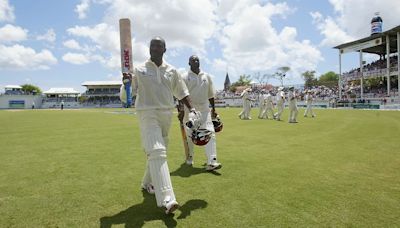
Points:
point(190, 206)
point(138, 215)
point(186, 171)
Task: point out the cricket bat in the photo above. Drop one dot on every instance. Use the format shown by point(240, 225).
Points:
point(126, 56)
point(179, 107)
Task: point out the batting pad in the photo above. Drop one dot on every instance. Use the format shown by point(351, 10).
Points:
point(189, 141)
point(211, 150)
point(146, 177)
point(159, 173)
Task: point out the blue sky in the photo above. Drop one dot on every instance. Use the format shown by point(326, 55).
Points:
point(58, 44)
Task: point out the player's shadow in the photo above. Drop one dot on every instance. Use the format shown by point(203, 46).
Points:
point(138, 215)
point(191, 205)
point(186, 171)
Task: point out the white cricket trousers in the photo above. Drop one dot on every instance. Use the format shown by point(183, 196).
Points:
point(280, 107)
point(211, 147)
point(245, 113)
point(154, 128)
point(268, 109)
point(309, 110)
point(293, 111)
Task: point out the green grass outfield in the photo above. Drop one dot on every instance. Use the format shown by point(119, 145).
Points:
point(83, 168)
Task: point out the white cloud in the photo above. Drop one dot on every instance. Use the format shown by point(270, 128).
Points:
point(183, 24)
point(353, 18)
point(103, 44)
point(72, 44)
point(193, 24)
point(251, 43)
point(243, 28)
point(332, 33)
point(104, 36)
point(76, 58)
point(6, 11)
point(49, 36)
point(18, 57)
point(82, 8)
point(11, 33)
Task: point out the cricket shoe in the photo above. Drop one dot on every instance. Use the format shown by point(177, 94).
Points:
point(149, 188)
point(214, 166)
point(189, 161)
point(171, 206)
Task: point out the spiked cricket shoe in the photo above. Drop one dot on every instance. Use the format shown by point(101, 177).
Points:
point(214, 166)
point(149, 188)
point(171, 206)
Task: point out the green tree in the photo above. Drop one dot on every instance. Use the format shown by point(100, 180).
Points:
point(329, 79)
point(82, 99)
point(309, 79)
point(31, 89)
point(244, 80)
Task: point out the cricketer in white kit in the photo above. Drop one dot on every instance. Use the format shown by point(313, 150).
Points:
point(155, 83)
point(262, 105)
point(245, 113)
point(309, 101)
point(269, 106)
point(202, 93)
point(280, 103)
point(293, 111)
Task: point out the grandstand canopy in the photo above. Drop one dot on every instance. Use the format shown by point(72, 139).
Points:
point(8, 87)
point(102, 83)
point(69, 91)
point(375, 44)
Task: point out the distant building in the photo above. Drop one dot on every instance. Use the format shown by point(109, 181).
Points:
point(13, 90)
point(102, 93)
point(54, 97)
point(14, 98)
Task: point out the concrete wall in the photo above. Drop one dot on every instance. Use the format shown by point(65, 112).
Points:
point(29, 99)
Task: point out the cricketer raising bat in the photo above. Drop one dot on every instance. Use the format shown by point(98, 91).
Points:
point(126, 56)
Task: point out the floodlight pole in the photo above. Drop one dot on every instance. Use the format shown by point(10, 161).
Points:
point(398, 64)
point(340, 76)
point(388, 64)
point(361, 75)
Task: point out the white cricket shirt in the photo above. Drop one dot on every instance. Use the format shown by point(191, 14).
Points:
point(155, 86)
point(201, 89)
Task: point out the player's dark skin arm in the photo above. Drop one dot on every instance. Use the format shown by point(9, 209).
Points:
point(184, 101)
point(212, 103)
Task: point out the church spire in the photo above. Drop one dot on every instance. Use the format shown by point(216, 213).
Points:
point(227, 82)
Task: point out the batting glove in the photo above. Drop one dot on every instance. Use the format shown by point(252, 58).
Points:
point(194, 121)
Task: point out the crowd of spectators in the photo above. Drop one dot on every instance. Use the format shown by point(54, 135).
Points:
point(373, 69)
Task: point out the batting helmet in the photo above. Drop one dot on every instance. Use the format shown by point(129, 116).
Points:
point(201, 137)
point(218, 125)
